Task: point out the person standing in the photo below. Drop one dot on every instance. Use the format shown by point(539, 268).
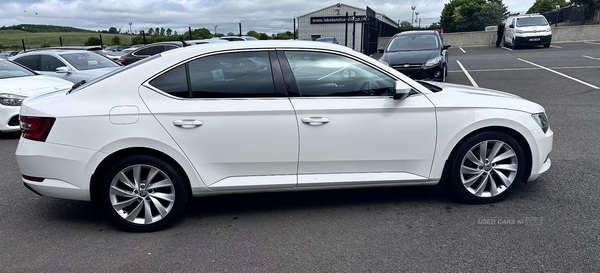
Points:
point(500, 33)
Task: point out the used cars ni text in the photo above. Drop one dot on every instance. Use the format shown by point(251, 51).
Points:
point(271, 116)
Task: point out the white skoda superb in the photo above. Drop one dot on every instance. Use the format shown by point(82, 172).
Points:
point(263, 116)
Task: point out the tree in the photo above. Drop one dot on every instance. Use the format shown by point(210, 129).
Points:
point(162, 31)
point(541, 6)
point(175, 33)
point(116, 40)
point(253, 34)
point(471, 15)
point(263, 36)
point(113, 30)
point(230, 34)
point(587, 7)
point(405, 25)
point(150, 31)
point(169, 31)
point(93, 41)
point(156, 31)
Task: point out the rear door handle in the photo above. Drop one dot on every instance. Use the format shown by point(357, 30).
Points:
point(315, 121)
point(187, 123)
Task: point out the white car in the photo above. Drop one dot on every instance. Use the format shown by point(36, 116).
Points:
point(206, 120)
point(16, 84)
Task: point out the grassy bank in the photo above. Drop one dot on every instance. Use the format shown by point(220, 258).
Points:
point(11, 37)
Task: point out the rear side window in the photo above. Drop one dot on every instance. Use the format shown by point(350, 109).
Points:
point(149, 51)
point(30, 62)
point(228, 75)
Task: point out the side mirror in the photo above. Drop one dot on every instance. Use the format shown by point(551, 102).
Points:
point(511, 26)
point(63, 69)
point(402, 90)
point(380, 50)
point(447, 46)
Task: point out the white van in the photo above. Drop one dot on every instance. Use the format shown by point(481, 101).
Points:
point(528, 29)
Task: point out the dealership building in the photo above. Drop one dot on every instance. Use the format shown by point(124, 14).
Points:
point(352, 26)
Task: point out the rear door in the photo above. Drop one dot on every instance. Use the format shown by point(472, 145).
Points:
point(227, 113)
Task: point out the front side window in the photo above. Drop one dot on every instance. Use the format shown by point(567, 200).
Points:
point(50, 63)
point(11, 70)
point(228, 75)
point(321, 74)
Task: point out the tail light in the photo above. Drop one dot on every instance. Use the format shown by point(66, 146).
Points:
point(122, 61)
point(36, 128)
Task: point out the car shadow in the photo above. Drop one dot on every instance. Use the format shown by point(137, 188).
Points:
point(12, 135)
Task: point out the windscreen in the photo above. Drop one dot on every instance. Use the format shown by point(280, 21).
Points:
point(531, 21)
point(88, 60)
point(11, 70)
point(413, 42)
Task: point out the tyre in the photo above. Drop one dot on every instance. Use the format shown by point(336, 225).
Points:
point(513, 45)
point(143, 193)
point(546, 45)
point(486, 167)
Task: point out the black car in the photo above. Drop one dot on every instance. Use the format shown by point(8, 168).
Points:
point(147, 51)
point(418, 54)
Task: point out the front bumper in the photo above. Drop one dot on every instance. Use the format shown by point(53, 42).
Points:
point(9, 118)
point(534, 40)
point(421, 72)
point(541, 161)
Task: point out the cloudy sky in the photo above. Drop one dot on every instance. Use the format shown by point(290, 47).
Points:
point(261, 15)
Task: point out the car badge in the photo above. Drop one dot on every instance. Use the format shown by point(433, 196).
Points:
point(406, 65)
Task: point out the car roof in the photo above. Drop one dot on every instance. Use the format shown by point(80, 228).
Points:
point(53, 52)
point(177, 43)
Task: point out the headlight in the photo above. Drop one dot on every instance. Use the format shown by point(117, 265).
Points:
point(11, 100)
point(433, 62)
point(519, 31)
point(547, 29)
point(542, 121)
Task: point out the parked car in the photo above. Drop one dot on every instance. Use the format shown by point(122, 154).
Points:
point(417, 54)
point(206, 41)
point(147, 51)
point(238, 38)
point(204, 120)
point(16, 84)
point(72, 65)
point(115, 48)
point(116, 55)
point(7, 54)
point(528, 29)
point(332, 40)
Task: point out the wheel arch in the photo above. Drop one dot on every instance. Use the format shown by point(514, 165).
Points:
point(516, 135)
point(97, 175)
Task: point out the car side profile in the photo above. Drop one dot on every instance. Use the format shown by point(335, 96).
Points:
point(229, 118)
point(417, 54)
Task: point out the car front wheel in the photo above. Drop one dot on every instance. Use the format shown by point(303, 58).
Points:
point(486, 167)
point(143, 193)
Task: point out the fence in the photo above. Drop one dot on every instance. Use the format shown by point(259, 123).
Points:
point(570, 14)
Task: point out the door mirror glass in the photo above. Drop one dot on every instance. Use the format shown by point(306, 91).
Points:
point(402, 90)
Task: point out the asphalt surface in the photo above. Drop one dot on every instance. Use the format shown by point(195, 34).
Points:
point(549, 225)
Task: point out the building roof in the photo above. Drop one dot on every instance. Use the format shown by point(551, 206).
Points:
point(334, 5)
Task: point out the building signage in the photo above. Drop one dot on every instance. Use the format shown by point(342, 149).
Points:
point(337, 19)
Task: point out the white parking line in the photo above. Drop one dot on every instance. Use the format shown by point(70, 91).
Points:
point(462, 50)
point(592, 43)
point(526, 69)
point(555, 46)
point(503, 47)
point(561, 74)
point(590, 57)
point(467, 73)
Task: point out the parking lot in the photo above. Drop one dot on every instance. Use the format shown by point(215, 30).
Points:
point(549, 225)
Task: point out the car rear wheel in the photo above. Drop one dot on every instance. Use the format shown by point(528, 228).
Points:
point(143, 193)
point(486, 167)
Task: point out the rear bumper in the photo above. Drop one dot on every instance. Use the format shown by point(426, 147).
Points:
point(63, 169)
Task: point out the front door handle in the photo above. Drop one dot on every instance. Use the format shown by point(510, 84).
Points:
point(315, 121)
point(187, 123)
